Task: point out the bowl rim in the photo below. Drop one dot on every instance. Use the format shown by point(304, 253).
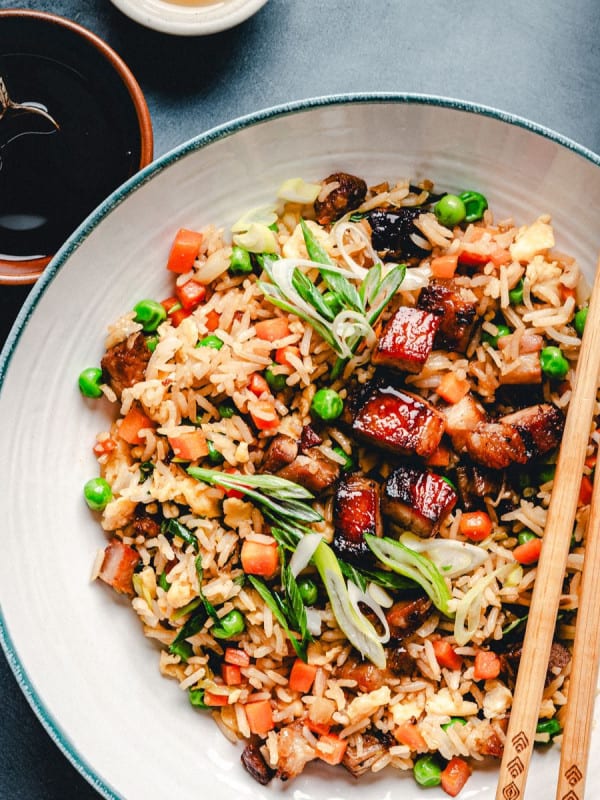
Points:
point(25, 272)
point(46, 718)
point(183, 20)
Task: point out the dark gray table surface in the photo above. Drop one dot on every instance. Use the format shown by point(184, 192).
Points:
point(538, 59)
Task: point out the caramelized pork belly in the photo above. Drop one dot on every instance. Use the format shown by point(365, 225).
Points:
point(456, 308)
point(405, 616)
point(540, 426)
point(516, 438)
point(461, 418)
point(364, 749)
point(341, 193)
point(356, 511)
point(396, 420)
point(417, 499)
point(125, 364)
point(254, 762)
point(406, 340)
point(526, 368)
point(294, 751)
point(474, 484)
point(118, 566)
point(310, 469)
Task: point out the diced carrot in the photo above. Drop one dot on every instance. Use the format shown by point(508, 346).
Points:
point(566, 292)
point(189, 446)
point(118, 566)
point(233, 655)
point(585, 491)
point(487, 666)
point(455, 775)
point(132, 423)
point(258, 384)
point(471, 258)
point(320, 728)
point(175, 311)
point(331, 748)
point(231, 674)
point(283, 353)
point(475, 525)
point(452, 389)
point(184, 250)
point(407, 733)
point(528, 552)
point(264, 414)
point(170, 303)
point(440, 457)
point(212, 321)
point(104, 446)
point(272, 329)
point(259, 559)
point(444, 266)
point(215, 699)
point(445, 655)
point(302, 676)
point(260, 716)
point(190, 294)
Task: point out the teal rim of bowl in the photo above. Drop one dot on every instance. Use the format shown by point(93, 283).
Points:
point(48, 721)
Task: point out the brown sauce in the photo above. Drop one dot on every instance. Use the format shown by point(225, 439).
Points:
point(50, 180)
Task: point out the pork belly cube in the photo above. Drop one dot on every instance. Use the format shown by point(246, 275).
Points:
point(457, 310)
point(540, 427)
point(397, 420)
point(407, 340)
point(417, 499)
point(312, 470)
point(461, 418)
point(356, 511)
point(495, 445)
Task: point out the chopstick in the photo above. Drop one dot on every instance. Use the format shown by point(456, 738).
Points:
point(584, 671)
point(552, 563)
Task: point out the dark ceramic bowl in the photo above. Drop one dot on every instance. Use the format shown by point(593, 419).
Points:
point(51, 177)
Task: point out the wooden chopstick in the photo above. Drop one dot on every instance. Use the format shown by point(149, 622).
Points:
point(552, 564)
point(584, 671)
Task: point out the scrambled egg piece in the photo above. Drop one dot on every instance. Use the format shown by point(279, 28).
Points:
point(532, 240)
point(366, 704)
point(451, 704)
point(496, 700)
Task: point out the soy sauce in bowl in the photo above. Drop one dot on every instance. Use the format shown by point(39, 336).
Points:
point(51, 179)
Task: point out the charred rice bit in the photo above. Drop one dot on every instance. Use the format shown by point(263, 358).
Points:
point(190, 538)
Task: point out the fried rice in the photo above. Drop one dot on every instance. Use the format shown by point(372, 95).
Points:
point(175, 542)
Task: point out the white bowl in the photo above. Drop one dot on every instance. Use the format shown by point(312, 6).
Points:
point(197, 19)
point(76, 649)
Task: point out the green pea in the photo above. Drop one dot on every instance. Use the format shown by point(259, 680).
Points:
point(348, 459)
point(149, 313)
point(196, 698)
point(327, 404)
point(214, 456)
point(231, 624)
point(226, 410)
point(454, 721)
point(151, 343)
point(550, 726)
point(516, 294)
point(276, 382)
point(240, 262)
point(97, 493)
point(492, 339)
point(475, 205)
point(89, 382)
point(450, 210)
point(333, 302)
point(526, 536)
point(580, 320)
point(212, 341)
point(308, 591)
point(553, 363)
point(427, 771)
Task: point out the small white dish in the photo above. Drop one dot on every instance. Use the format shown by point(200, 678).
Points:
point(76, 649)
point(191, 17)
